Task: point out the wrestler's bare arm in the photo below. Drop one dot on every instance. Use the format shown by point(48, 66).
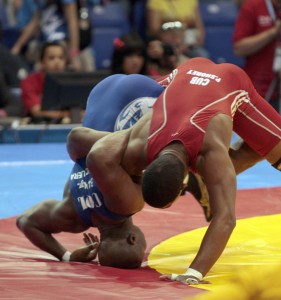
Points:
point(221, 185)
point(80, 140)
point(104, 162)
point(219, 175)
point(41, 221)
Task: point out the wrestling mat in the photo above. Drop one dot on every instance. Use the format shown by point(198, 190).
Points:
point(31, 173)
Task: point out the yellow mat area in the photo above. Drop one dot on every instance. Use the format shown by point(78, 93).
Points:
point(255, 242)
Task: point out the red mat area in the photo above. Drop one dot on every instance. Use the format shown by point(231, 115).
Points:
point(28, 273)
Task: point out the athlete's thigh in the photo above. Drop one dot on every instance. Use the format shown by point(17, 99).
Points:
point(258, 124)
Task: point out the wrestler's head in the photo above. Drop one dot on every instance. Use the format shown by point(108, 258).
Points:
point(122, 248)
point(162, 181)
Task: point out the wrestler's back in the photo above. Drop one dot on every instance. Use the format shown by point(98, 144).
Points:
point(195, 92)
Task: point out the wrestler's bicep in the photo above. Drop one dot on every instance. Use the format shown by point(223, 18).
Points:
point(104, 164)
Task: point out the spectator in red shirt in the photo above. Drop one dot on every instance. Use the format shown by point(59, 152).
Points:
point(256, 33)
point(53, 58)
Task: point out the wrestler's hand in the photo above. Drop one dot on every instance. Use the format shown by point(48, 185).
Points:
point(186, 279)
point(88, 252)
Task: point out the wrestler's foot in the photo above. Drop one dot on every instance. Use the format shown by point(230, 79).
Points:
point(197, 188)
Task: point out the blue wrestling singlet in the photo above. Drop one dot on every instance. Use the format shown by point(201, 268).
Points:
point(112, 94)
point(104, 104)
point(86, 196)
point(132, 112)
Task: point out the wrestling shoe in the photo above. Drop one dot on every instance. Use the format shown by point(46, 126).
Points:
point(197, 188)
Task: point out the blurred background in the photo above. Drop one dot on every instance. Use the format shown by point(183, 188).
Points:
point(53, 52)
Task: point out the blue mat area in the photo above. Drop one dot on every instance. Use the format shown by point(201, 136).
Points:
point(34, 172)
point(30, 174)
point(33, 152)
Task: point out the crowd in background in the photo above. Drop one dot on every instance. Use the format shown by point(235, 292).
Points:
point(173, 32)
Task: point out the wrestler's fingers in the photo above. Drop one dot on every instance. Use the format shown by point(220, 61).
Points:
point(93, 237)
point(86, 239)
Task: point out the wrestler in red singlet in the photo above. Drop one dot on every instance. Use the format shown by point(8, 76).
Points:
point(197, 91)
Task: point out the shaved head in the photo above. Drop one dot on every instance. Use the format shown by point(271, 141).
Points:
point(124, 249)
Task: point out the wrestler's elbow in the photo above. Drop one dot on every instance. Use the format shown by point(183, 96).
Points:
point(230, 222)
point(74, 135)
point(97, 158)
point(91, 159)
point(73, 138)
point(226, 221)
point(22, 222)
point(79, 142)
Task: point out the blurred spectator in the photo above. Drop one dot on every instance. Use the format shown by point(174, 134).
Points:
point(172, 35)
point(53, 58)
point(186, 12)
point(12, 71)
point(158, 57)
point(27, 44)
point(167, 52)
point(256, 33)
point(137, 17)
point(13, 68)
point(10, 8)
point(161, 58)
point(10, 105)
point(129, 55)
point(58, 20)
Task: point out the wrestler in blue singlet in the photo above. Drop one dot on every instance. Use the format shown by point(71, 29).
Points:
point(135, 94)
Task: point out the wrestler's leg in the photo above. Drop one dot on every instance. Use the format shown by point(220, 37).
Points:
point(257, 123)
point(274, 157)
point(242, 156)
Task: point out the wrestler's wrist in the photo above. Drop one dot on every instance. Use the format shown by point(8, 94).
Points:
point(194, 273)
point(195, 276)
point(66, 256)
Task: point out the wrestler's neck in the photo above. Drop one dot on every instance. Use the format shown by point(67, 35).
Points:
point(177, 149)
point(100, 221)
point(107, 227)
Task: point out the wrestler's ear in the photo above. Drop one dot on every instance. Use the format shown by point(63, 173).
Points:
point(131, 239)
